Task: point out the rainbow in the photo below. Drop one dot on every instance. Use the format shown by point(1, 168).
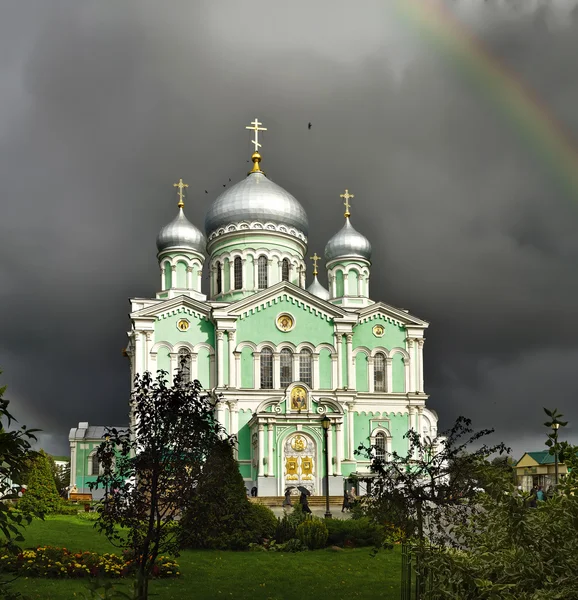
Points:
point(535, 124)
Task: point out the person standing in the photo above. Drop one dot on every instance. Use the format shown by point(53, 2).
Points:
point(345, 505)
point(540, 494)
point(304, 503)
point(287, 501)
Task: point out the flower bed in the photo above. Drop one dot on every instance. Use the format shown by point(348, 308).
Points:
point(51, 561)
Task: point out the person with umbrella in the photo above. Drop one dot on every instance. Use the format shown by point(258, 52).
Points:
point(303, 499)
point(287, 501)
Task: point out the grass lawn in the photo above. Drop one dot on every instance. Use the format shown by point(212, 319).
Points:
point(240, 575)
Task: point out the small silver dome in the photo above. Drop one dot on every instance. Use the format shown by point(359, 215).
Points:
point(348, 242)
point(318, 290)
point(181, 233)
point(256, 198)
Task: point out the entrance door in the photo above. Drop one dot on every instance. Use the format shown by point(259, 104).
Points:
point(299, 463)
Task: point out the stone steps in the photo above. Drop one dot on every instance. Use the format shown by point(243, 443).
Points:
point(312, 500)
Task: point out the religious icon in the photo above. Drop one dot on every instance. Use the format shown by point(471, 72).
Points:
point(291, 468)
point(183, 325)
point(307, 467)
point(298, 398)
point(285, 322)
point(299, 443)
point(378, 330)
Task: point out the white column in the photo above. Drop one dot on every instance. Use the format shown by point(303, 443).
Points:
point(339, 433)
point(222, 269)
point(232, 275)
point(221, 414)
point(296, 374)
point(420, 365)
point(189, 278)
point(331, 279)
point(338, 348)
point(232, 362)
point(234, 423)
point(276, 371)
point(334, 371)
point(351, 383)
point(220, 359)
point(255, 273)
point(147, 346)
point(173, 366)
point(270, 450)
point(407, 367)
point(199, 279)
point(371, 374)
point(238, 370)
point(257, 370)
point(389, 375)
point(194, 367)
point(173, 277)
point(419, 419)
point(162, 278)
point(330, 449)
point(315, 371)
point(72, 464)
point(261, 448)
point(270, 273)
point(411, 350)
point(350, 431)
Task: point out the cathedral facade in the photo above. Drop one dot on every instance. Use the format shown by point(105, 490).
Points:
point(280, 355)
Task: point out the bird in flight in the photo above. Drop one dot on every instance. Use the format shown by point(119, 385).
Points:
point(206, 192)
point(309, 126)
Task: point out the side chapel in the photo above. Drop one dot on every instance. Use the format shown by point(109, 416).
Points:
point(280, 354)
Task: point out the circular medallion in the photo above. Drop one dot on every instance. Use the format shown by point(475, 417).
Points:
point(378, 330)
point(183, 325)
point(285, 322)
point(298, 443)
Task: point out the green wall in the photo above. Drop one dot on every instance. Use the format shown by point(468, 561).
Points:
point(362, 372)
point(244, 435)
point(200, 330)
point(398, 369)
point(325, 369)
point(247, 371)
point(261, 327)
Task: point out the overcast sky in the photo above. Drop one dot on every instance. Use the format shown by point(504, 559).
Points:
point(104, 104)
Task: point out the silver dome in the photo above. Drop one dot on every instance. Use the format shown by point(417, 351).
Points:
point(256, 198)
point(318, 290)
point(181, 233)
point(348, 242)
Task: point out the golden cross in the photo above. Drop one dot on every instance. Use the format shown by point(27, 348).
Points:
point(181, 187)
point(315, 258)
point(256, 129)
point(347, 195)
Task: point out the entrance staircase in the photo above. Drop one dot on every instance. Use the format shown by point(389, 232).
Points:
point(318, 501)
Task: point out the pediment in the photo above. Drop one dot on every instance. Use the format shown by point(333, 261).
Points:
point(162, 308)
point(280, 291)
point(390, 313)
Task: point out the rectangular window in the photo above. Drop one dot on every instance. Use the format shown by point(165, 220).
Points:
point(262, 272)
point(305, 367)
point(266, 369)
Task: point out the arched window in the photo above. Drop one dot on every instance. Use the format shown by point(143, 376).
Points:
point(238, 273)
point(286, 367)
point(93, 464)
point(380, 446)
point(266, 369)
point(219, 278)
point(305, 367)
point(379, 372)
point(262, 276)
point(184, 365)
point(285, 270)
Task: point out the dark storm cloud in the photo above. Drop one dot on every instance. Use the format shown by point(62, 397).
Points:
point(104, 105)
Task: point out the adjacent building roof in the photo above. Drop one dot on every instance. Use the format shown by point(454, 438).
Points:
point(84, 431)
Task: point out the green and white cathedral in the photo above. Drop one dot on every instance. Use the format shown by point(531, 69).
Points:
point(279, 353)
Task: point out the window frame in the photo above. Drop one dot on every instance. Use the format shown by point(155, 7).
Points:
point(306, 353)
point(286, 356)
point(262, 272)
point(379, 386)
point(238, 273)
point(266, 377)
point(285, 269)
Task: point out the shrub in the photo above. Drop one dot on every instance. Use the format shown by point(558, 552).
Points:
point(41, 496)
point(312, 533)
point(354, 532)
point(263, 522)
point(50, 561)
point(66, 509)
point(285, 529)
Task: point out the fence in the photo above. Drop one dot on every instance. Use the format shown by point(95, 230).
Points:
point(416, 579)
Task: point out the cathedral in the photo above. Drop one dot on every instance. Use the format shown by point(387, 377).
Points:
point(280, 354)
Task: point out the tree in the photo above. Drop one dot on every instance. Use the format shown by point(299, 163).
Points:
point(15, 451)
point(41, 495)
point(220, 515)
point(150, 471)
point(435, 486)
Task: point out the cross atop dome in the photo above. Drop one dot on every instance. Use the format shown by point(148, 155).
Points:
point(347, 196)
point(256, 157)
point(315, 258)
point(181, 194)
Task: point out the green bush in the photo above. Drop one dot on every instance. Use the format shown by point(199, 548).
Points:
point(263, 522)
point(67, 509)
point(312, 533)
point(41, 496)
point(354, 532)
point(285, 529)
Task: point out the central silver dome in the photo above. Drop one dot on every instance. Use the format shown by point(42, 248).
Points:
point(256, 198)
point(348, 242)
point(318, 290)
